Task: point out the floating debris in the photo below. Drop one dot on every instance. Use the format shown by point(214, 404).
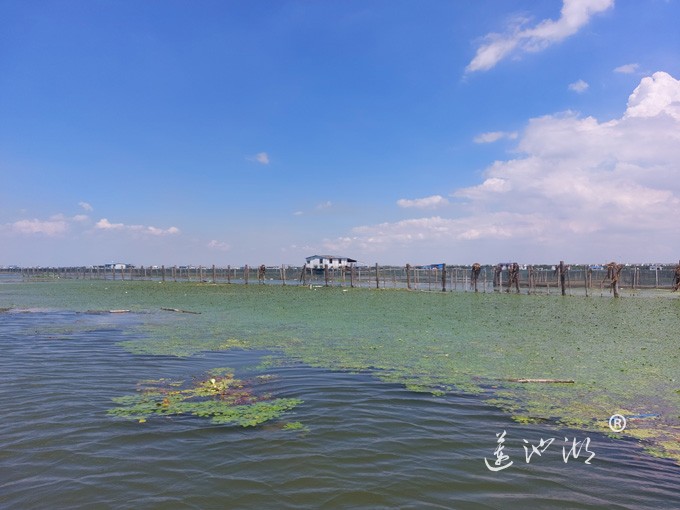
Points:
point(179, 311)
point(543, 381)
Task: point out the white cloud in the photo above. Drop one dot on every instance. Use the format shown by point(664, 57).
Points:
point(574, 15)
point(55, 226)
point(627, 68)
point(86, 206)
point(105, 224)
point(494, 136)
point(219, 245)
point(579, 86)
point(431, 202)
point(155, 231)
point(580, 189)
point(656, 94)
point(490, 185)
point(324, 205)
point(260, 157)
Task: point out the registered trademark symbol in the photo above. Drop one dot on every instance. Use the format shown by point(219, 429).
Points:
point(617, 423)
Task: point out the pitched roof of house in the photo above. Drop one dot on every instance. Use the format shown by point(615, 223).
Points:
point(329, 257)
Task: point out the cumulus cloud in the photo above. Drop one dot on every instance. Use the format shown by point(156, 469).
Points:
point(579, 86)
point(494, 136)
point(219, 245)
point(579, 188)
point(86, 206)
point(627, 68)
point(260, 157)
point(489, 186)
point(656, 95)
point(574, 15)
point(431, 202)
point(55, 226)
point(499, 225)
point(105, 224)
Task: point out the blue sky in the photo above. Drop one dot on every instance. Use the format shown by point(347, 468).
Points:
point(225, 132)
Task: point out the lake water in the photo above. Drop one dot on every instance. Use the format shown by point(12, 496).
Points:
point(360, 441)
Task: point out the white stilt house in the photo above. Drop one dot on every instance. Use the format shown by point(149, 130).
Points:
point(332, 261)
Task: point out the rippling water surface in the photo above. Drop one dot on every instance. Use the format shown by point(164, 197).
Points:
point(364, 443)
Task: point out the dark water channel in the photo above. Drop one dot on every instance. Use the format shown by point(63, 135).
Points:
point(364, 444)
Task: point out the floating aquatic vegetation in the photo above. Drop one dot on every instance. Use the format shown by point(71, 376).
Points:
point(621, 354)
point(296, 425)
point(219, 396)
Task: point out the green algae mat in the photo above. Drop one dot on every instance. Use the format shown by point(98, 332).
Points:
point(572, 360)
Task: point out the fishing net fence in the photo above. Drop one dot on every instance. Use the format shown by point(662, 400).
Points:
point(578, 279)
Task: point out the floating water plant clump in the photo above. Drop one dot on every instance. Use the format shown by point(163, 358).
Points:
point(296, 425)
point(218, 396)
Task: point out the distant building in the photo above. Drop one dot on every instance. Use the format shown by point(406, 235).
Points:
point(332, 261)
point(118, 266)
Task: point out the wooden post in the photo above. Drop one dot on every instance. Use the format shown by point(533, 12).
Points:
point(163, 274)
point(562, 275)
point(585, 279)
point(351, 276)
point(228, 274)
point(568, 281)
point(530, 277)
point(408, 276)
point(214, 274)
point(283, 274)
point(325, 273)
point(377, 277)
point(656, 277)
point(443, 277)
point(245, 274)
